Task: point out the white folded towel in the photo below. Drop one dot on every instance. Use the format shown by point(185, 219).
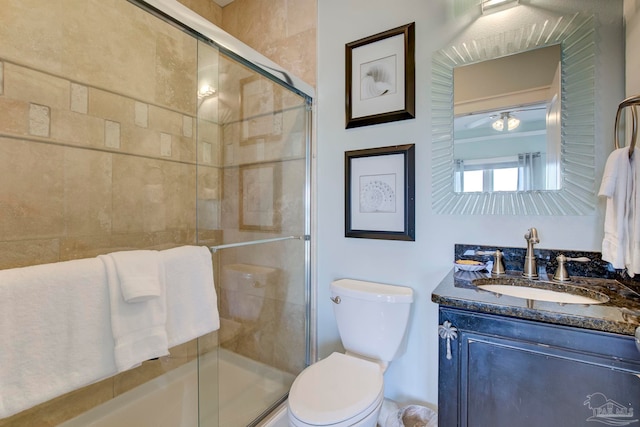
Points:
point(139, 274)
point(138, 329)
point(192, 306)
point(55, 333)
point(617, 187)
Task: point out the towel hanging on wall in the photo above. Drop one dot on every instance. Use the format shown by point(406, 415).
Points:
point(139, 328)
point(616, 186)
point(58, 321)
point(55, 331)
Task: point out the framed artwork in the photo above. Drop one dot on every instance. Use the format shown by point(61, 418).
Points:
point(260, 187)
point(260, 109)
point(380, 193)
point(380, 77)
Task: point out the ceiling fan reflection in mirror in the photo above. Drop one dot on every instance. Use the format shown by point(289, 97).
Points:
point(501, 120)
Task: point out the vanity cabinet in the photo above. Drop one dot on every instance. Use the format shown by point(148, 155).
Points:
point(504, 372)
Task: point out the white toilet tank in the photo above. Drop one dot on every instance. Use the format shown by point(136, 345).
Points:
point(372, 317)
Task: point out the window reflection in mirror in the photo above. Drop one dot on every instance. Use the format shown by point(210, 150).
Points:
point(507, 123)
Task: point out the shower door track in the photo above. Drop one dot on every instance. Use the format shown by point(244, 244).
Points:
point(257, 242)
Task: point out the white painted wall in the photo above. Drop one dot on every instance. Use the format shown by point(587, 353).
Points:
point(423, 263)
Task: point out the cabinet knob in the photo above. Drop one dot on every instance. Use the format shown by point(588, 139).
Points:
point(448, 332)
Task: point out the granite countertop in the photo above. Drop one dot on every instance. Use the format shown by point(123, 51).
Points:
point(621, 314)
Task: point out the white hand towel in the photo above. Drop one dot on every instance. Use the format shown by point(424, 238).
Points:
point(192, 305)
point(54, 331)
point(617, 187)
point(139, 274)
point(138, 329)
point(633, 259)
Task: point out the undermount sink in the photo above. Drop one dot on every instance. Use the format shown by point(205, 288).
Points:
point(541, 291)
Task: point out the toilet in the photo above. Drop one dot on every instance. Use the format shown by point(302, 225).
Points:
point(348, 389)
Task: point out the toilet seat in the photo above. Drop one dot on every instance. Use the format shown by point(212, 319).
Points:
point(337, 391)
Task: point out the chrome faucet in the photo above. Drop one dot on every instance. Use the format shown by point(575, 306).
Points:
point(530, 268)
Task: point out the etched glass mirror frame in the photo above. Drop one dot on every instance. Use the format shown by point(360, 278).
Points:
point(576, 196)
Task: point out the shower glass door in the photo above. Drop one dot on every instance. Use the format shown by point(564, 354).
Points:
point(252, 192)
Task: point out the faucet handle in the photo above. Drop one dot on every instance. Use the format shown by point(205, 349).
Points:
point(561, 274)
point(498, 266)
point(578, 259)
point(485, 253)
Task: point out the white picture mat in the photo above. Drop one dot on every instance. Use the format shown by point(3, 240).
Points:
point(378, 165)
point(372, 52)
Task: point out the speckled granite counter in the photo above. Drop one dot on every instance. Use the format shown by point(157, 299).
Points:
point(621, 314)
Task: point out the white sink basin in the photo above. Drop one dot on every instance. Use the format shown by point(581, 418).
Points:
point(538, 294)
point(539, 290)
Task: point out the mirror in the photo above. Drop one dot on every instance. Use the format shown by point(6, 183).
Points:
point(573, 193)
point(506, 125)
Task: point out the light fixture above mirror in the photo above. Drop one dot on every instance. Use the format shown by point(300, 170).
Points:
point(576, 35)
point(490, 6)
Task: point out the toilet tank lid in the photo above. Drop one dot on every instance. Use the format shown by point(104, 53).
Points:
point(372, 291)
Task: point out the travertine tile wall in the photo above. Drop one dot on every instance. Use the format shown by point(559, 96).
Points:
point(208, 9)
point(98, 153)
point(97, 149)
point(282, 30)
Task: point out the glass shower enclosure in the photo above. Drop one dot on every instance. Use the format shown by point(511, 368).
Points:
point(252, 150)
point(252, 191)
point(130, 124)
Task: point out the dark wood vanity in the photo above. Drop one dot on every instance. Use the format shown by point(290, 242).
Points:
point(508, 361)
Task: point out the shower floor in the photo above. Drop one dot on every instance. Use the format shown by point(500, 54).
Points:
point(246, 388)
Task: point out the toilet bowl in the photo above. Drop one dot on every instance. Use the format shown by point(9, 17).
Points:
point(338, 391)
point(346, 390)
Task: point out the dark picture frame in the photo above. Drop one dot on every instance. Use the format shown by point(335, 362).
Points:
point(380, 77)
point(380, 193)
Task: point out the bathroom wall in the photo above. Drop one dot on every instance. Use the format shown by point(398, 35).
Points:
point(282, 30)
point(208, 9)
point(98, 153)
point(97, 149)
point(423, 263)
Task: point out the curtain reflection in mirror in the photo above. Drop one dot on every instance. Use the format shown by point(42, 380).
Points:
point(523, 173)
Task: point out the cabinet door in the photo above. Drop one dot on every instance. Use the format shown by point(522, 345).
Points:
point(510, 372)
point(507, 383)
